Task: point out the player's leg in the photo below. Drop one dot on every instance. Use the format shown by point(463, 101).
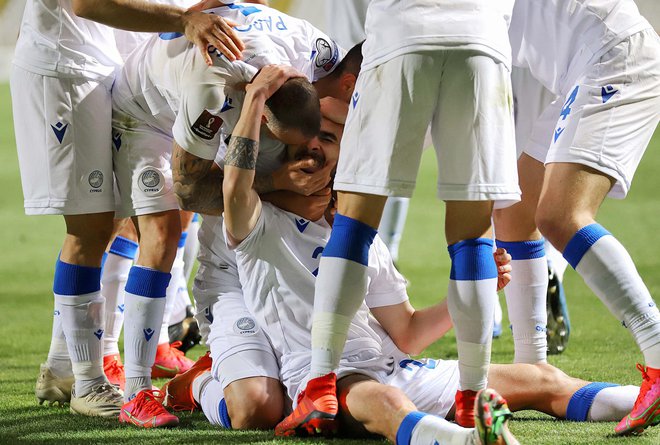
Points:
point(192, 246)
point(526, 293)
point(387, 411)
point(120, 256)
point(603, 130)
point(474, 140)
point(542, 387)
point(245, 370)
point(182, 329)
point(144, 180)
point(364, 179)
point(62, 128)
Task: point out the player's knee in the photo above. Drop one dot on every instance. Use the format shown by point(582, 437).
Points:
point(256, 408)
point(551, 225)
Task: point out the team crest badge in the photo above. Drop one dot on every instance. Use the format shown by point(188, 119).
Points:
point(245, 326)
point(151, 181)
point(95, 180)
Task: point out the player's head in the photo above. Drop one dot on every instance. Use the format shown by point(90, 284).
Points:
point(341, 82)
point(323, 148)
point(293, 112)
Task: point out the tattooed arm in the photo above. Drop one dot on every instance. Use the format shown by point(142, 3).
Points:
point(197, 182)
point(242, 203)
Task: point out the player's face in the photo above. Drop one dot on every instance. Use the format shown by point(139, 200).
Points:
point(323, 149)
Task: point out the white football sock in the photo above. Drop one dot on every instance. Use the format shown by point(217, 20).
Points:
point(113, 282)
point(526, 302)
point(172, 297)
point(471, 298)
point(144, 308)
point(191, 248)
point(58, 359)
point(613, 403)
point(212, 400)
point(340, 290)
point(607, 268)
point(556, 260)
point(425, 429)
point(392, 223)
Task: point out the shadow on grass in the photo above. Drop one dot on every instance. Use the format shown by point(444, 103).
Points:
point(51, 425)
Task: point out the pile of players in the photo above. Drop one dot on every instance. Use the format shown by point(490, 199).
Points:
point(238, 113)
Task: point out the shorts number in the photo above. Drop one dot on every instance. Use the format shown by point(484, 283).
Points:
point(566, 109)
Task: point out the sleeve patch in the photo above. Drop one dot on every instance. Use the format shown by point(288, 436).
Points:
point(207, 125)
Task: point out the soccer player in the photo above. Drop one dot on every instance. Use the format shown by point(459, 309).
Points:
point(278, 265)
point(246, 221)
point(165, 93)
point(62, 72)
point(448, 67)
point(603, 61)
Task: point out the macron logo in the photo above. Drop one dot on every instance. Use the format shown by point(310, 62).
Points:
point(148, 333)
point(301, 224)
point(607, 92)
point(208, 314)
point(116, 140)
point(99, 334)
point(558, 133)
point(227, 105)
point(121, 308)
point(59, 129)
point(356, 97)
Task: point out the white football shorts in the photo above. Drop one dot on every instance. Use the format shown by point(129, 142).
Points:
point(431, 384)
point(464, 95)
point(63, 128)
point(239, 347)
point(141, 156)
point(608, 118)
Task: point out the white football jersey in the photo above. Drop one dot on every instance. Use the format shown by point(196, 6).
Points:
point(396, 27)
point(558, 39)
point(167, 83)
point(54, 41)
point(277, 265)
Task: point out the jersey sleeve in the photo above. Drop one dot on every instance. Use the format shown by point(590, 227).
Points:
point(326, 53)
point(386, 285)
point(197, 127)
point(252, 242)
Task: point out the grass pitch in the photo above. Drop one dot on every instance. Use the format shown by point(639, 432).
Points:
point(600, 349)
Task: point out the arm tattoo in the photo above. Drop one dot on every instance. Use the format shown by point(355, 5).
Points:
point(197, 184)
point(242, 153)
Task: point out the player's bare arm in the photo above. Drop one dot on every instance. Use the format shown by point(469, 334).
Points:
point(242, 203)
point(197, 182)
point(199, 28)
point(414, 330)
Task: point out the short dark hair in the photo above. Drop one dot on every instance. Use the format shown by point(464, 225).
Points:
point(350, 63)
point(296, 105)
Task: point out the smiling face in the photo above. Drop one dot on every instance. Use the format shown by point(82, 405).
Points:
point(323, 149)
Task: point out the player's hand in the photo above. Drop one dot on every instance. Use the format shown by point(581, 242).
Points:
point(334, 110)
point(293, 176)
point(503, 261)
point(206, 30)
point(269, 79)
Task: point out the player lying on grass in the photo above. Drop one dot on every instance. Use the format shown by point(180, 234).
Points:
point(380, 387)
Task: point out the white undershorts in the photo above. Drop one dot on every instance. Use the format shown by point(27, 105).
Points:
point(464, 95)
point(608, 118)
point(141, 157)
point(63, 128)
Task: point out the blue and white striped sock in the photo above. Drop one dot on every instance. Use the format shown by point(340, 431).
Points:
point(471, 301)
point(340, 290)
point(144, 307)
point(526, 296)
point(609, 271)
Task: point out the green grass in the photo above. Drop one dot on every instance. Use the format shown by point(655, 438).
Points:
point(600, 349)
